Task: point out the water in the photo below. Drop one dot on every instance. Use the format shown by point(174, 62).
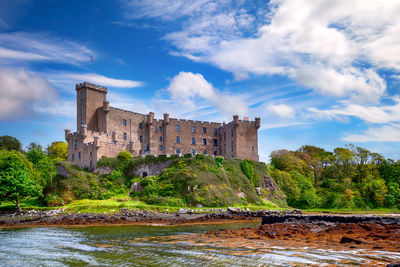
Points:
point(156, 246)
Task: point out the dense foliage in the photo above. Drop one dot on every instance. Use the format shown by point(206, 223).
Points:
point(350, 177)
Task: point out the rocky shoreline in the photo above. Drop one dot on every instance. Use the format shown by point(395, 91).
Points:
point(126, 216)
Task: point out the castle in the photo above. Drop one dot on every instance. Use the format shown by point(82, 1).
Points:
point(105, 131)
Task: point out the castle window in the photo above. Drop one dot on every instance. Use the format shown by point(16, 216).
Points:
point(80, 100)
point(193, 141)
point(124, 122)
point(178, 139)
point(215, 142)
point(241, 133)
point(252, 148)
point(193, 129)
point(140, 125)
point(178, 128)
point(205, 152)
point(124, 136)
point(148, 146)
point(80, 93)
point(91, 163)
point(224, 135)
point(160, 129)
point(178, 151)
point(160, 147)
point(81, 122)
point(215, 131)
point(232, 147)
point(141, 139)
point(79, 155)
point(204, 130)
point(155, 128)
point(160, 138)
point(215, 152)
point(232, 133)
point(75, 144)
point(193, 152)
point(90, 154)
point(81, 111)
point(204, 141)
point(73, 156)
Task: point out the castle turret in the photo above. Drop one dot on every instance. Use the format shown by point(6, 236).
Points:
point(257, 122)
point(106, 107)
point(150, 118)
point(166, 118)
point(236, 120)
point(67, 132)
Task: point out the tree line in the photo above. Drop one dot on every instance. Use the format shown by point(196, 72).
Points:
point(348, 177)
point(24, 173)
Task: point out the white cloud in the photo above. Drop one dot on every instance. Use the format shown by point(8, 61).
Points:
point(281, 110)
point(22, 46)
point(21, 92)
point(373, 114)
point(187, 88)
point(103, 80)
point(334, 48)
point(65, 108)
point(387, 133)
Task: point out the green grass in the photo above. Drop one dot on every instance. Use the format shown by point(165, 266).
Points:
point(116, 203)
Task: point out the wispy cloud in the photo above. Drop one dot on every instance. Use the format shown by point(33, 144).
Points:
point(23, 46)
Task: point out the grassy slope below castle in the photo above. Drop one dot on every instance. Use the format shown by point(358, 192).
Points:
point(187, 182)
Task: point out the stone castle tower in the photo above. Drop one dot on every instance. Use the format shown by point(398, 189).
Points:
point(105, 131)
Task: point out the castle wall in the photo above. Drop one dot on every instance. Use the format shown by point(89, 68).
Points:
point(106, 131)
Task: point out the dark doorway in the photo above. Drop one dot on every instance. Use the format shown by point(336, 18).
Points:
point(144, 174)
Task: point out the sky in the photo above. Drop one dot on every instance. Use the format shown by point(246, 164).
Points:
point(323, 73)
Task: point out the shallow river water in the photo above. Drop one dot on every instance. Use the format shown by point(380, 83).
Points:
point(131, 246)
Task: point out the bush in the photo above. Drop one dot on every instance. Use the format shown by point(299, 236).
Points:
point(247, 167)
point(187, 155)
point(124, 156)
point(219, 160)
point(200, 156)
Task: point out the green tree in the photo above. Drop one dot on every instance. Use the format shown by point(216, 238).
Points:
point(34, 145)
point(16, 179)
point(10, 143)
point(58, 150)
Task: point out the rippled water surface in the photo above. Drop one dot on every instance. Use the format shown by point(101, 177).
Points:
point(131, 246)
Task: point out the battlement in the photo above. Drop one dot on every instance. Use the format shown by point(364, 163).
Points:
point(92, 86)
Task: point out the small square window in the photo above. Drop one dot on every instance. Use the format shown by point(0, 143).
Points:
point(73, 156)
point(81, 122)
point(160, 138)
point(155, 129)
point(204, 130)
point(178, 128)
point(81, 111)
point(193, 141)
point(160, 147)
point(140, 125)
point(160, 129)
point(124, 135)
point(178, 151)
point(178, 139)
point(75, 144)
point(215, 131)
point(79, 155)
point(204, 141)
point(215, 142)
point(141, 139)
point(193, 152)
point(193, 129)
point(205, 152)
point(124, 122)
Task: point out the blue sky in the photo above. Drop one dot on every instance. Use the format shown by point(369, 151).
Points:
point(324, 73)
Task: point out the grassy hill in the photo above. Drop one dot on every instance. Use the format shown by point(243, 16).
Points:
point(188, 181)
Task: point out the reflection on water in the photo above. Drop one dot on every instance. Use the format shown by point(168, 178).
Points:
point(151, 246)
